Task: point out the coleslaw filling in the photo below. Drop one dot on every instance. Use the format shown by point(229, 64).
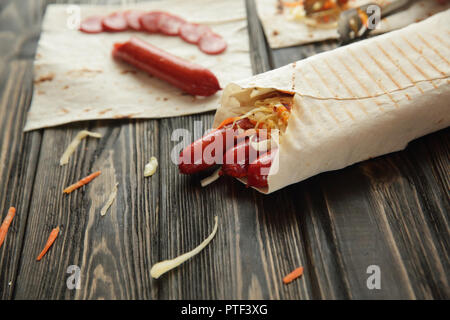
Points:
point(270, 113)
point(322, 14)
point(164, 266)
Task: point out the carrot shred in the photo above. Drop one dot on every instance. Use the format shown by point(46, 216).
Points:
point(226, 121)
point(292, 4)
point(6, 223)
point(363, 16)
point(293, 275)
point(328, 5)
point(51, 239)
point(82, 182)
point(283, 113)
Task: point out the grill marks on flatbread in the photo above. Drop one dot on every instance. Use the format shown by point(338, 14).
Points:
point(341, 80)
point(381, 71)
point(432, 48)
point(381, 67)
point(324, 103)
point(388, 74)
point(440, 40)
point(418, 69)
point(356, 79)
point(325, 82)
point(373, 78)
point(420, 53)
point(398, 66)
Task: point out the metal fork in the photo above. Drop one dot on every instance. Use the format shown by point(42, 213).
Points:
point(350, 26)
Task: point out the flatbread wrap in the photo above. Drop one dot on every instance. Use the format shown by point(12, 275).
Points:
point(286, 24)
point(355, 102)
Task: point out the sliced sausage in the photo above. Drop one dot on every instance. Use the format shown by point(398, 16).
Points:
point(191, 32)
point(212, 43)
point(115, 22)
point(132, 18)
point(92, 25)
point(169, 24)
point(149, 21)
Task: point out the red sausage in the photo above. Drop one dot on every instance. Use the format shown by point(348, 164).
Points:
point(245, 124)
point(189, 77)
point(191, 32)
point(92, 25)
point(149, 21)
point(235, 160)
point(132, 17)
point(211, 43)
point(170, 24)
point(255, 178)
point(191, 163)
point(115, 22)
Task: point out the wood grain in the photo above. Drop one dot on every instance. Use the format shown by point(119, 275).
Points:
point(391, 211)
point(114, 251)
point(18, 152)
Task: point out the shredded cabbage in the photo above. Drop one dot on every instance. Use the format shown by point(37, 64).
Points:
point(162, 267)
point(110, 200)
point(211, 178)
point(74, 144)
point(270, 113)
point(150, 168)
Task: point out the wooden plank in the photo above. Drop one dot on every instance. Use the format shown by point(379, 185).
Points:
point(113, 252)
point(411, 189)
point(18, 151)
point(260, 53)
point(391, 211)
point(18, 160)
point(283, 56)
point(361, 237)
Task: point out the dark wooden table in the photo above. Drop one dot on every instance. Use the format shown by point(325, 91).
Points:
point(391, 212)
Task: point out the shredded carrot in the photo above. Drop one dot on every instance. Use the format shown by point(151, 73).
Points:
point(6, 223)
point(292, 4)
point(49, 243)
point(284, 115)
point(329, 5)
point(326, 19)
point(226, 121)
point(363, 17)
point(293, 275)
point(82, 182)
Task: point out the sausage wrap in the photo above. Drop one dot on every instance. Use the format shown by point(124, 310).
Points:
point(355, 102)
